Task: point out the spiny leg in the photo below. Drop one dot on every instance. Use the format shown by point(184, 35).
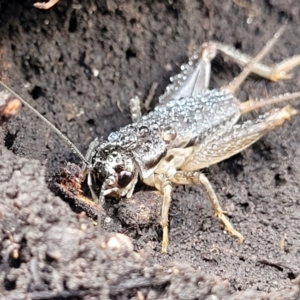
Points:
point(252, 65)
point(237, 138)
point(237, 81)
point(135, 104)
point(194, 76)
point(251, 105)
point(185, 177)
point(276, 72)
point(242, 136)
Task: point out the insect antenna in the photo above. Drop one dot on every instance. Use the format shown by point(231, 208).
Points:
point(88, 166)
point(56, 130)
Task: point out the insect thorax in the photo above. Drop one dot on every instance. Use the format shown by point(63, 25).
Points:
point(177, 124)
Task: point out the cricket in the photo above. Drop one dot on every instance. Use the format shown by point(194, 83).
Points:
point(190, 129)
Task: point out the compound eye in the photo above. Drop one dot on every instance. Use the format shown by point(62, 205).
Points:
point(124, 178)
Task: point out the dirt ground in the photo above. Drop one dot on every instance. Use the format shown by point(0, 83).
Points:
point(78, 64)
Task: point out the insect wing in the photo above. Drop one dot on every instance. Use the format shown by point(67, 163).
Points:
point(237, 138)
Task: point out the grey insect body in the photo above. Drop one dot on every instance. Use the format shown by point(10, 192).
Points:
point(191, 128)
point(194, 120)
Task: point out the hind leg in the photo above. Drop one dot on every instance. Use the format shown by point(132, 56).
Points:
point(195, 75)
point(232, 142)
point(276, 72)
point(253, 65)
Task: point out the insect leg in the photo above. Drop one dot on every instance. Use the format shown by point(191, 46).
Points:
point(237, 81)
point(194, 76)
point(135, 104)
point(163, 184)
point(276, 72)
point(167, 191)
point(150, 96)
point(135, 108)
point(238, 138)
point(185, 177)
point(255, 104)
point(233, 142)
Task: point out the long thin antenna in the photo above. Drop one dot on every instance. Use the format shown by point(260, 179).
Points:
point(57, 131)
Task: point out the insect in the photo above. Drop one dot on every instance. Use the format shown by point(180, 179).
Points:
point(191, 129)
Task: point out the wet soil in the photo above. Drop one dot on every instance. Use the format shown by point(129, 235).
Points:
point(79, 63)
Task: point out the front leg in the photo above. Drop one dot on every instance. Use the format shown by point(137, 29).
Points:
point(163, 184)
point(167, 192)
point(135, 104)
point(184, 177)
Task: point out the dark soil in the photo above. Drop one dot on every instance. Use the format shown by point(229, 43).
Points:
point(79, 63)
